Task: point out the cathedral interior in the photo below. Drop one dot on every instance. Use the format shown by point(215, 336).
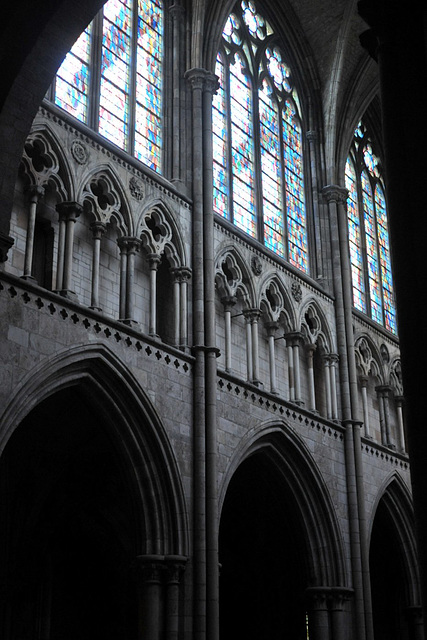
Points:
point(213, 292)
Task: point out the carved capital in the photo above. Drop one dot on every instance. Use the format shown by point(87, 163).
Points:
point(252, 315)
point(312, 136)
point(34, 192)
point(181, 274)
point(129, 244)
point(98, 229)
point(335, 193)
point(69, 211)
point(228, 302)
point(6, 242)
point(154, 260)
point(202, 79)
point(175, 566)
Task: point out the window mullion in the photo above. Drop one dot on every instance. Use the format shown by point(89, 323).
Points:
point(283, 182)
point(132, 79)
point(257, 160)
point(229, 139)
point(95, 76)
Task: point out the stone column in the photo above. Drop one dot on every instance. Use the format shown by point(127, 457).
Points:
point(175, 566)
point(400, 425)
point(177, 13)
point(68, 214)
point(129, 246)
point(340, 622)
point(336, 197)
point(364, 388)
point(311, 348)
point(291, 369)
point(98, 230)
point(327, 375)
point(383, 396)
point(150, 575)
point(416, 622)
point(249, 351)
point(272, 328)
point(228, 303)
point(153, 261)
point(333, 364)
point(35, 193)
point(318, 614)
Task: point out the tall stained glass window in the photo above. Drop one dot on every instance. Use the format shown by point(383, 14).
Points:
point(257, 138)
point(112, 78)
point(368, 234)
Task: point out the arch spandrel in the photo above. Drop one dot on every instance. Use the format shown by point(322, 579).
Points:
point(122, 404)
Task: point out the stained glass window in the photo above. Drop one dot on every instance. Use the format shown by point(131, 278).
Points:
point(112, 79)
point(368, 233)
point(257, 138)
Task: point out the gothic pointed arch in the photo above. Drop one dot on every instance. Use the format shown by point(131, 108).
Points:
point(285, 451)
point(104, 196)
point(275, 300)
point(232, 275)
point(45, 165)
point(395, 589)
point(157, 228)
point(315, 327)
point(368, 358)
point(258, 146)
point(117, 398)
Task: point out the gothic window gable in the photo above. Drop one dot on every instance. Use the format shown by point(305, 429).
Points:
point(257, 138)
point(112, 78)
point(369, 247)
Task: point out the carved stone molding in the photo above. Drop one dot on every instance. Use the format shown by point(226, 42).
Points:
point(136, 188)
point(79, 152)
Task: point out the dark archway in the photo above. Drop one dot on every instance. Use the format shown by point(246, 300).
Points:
point(68, 527)
point(390, 588)
point(263, 556)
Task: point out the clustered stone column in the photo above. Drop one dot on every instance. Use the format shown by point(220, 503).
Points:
point(327, 613)
point(158, 584)
point(311, 348)
point(330, 361)
point(252, 351)
point(98, 229)
point(181, 276)
point(68, 214)
point(293, 343)
point(399, 408)
point(129, 246)
point(153, 261)
point(383, 392)
point(35, 193)
point(364, 388)
point(272, 328)
point(228, 303)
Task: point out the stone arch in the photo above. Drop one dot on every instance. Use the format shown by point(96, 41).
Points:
point(236, 277)
point(392, 529)
point(103, 195)
point(277, 301)
point(116, 395)
point(293, 462)
point(159, 232)
point(45, 165)
point(368, 358)
point(314, 325)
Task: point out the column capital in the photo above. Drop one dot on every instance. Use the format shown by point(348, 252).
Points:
point(177, 11)
point(335, 193)
point(294, 338)
point(400, 400)
point(68, 210)
point(228, 302)
point(251, 315)
point(318, 597)
point(181, 274)
point(310, 347)
point(154, 260)
point(6, 242)
point(312, 136)
point(175, 566)
point(98, 228)
point(129, 243)
point(34, 192)
point(383, 389)
point(363, 380)
point(202, 79)
point(272, 326)
point(151, 567)
point(339, 596)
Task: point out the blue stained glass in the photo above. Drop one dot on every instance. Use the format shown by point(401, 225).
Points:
point(356, 259)
point(297, 233)
point(220, 145)
point(385, 260)
point(119, 53)
point(72, 81)
point(371, 249)
point(244, 215)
